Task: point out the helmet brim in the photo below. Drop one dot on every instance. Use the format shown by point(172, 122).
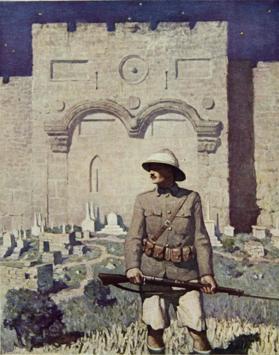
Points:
point(179, 175)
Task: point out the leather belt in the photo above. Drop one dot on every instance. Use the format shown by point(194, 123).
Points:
point(164, 252)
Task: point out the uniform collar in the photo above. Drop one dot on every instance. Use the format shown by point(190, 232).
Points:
point(171, 190)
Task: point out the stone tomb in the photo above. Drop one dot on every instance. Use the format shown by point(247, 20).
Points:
point(112, 227)
point(50, 242)
point(78, 250)
point(54, 257)
point(229, 231)
point(259, 232)
point(254, 249)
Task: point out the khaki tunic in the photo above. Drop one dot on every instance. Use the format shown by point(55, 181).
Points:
point(151, 209)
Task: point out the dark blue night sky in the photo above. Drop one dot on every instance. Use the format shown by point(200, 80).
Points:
point(253, 25)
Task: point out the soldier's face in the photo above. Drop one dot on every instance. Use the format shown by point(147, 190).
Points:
point(160, 173)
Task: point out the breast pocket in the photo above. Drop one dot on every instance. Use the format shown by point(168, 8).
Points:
point(183, 222)
point(153, 218)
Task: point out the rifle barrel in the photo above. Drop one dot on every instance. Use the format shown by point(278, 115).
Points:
point(261, 297)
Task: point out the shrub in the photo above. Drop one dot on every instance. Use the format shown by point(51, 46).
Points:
point(228, 244)
point(34, 316)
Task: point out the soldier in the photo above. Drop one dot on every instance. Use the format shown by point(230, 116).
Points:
point(167, 238)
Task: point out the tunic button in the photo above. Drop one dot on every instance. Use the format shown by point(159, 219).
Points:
point(170, 228)
point(168, 212)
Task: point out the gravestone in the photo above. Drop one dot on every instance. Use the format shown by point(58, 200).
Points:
point(254, 248)
point(79, 250)
point(45, 277)
point(112, 227)
point(35, 229)
point(15, 233)
point(259, 232)
point(58, 259)
point(44, 246)
point(210, 227)
point(229, 231)
point(24, 234)
point(88, 224)
point(9, 240)
point(86, 235)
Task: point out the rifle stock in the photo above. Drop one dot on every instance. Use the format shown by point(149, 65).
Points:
point(112, 279)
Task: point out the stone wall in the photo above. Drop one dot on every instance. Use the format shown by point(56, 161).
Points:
point(15, 156)
point(100, 102)
point(117, 97)
point(266, 122)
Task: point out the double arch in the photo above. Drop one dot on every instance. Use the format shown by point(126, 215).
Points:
point(208, 131)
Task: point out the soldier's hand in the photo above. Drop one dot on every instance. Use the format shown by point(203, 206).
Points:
point(208, 279)
point(134, 275)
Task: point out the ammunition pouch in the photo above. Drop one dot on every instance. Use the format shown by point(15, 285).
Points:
point(161, 252)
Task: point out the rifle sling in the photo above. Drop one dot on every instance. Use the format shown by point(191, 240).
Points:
point(168, 222)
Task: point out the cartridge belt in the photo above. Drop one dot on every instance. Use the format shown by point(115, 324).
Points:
point(164, 252)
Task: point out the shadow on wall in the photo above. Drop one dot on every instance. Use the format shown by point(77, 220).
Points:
point(242, 176)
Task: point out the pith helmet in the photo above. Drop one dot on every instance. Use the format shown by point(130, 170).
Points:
point(165, 156)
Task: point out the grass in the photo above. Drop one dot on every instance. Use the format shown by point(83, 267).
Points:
point(226, 337)
point(235, 325)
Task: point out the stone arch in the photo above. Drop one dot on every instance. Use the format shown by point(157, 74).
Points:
point(61, 131)
point(207, 131)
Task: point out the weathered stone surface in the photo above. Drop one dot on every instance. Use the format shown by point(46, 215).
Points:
point(112, 227)
point(259, 232)
point(229, 231)
point(125, 77)
point(254, 248)
point(266, 98)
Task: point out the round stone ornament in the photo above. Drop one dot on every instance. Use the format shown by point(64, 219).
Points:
point(133, 69)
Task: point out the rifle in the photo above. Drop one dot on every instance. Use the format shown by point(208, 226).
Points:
point(117, 279)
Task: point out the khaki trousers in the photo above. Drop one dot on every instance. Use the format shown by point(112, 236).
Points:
point(188, 306)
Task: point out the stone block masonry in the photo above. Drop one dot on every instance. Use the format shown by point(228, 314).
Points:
point(266, 110)
point(15, 153)
point(103, 101)
point(100, 102)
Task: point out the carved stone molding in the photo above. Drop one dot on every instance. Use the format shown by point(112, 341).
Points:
point(207, 131)
point(133, 69)
point(208, 145)
point(60, 132)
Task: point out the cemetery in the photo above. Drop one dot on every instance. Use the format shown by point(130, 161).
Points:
point(25, 254)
